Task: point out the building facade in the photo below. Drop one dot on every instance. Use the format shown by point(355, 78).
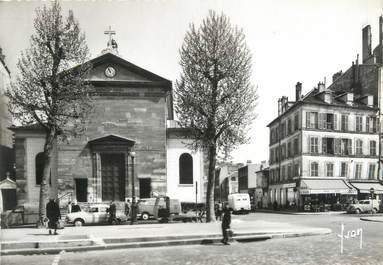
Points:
point(261, 191)
point(7, 154)
point(129, 139)
point(226, 180)
point(320, 145)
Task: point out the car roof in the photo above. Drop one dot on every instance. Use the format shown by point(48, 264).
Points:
point(98, 205)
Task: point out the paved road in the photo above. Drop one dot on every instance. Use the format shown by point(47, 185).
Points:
point(304, 250)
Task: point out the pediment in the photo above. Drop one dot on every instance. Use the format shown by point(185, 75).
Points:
point(7, 184)
point(112, 138)
point(124, 71)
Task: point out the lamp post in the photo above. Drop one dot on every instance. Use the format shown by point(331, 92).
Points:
point(134, 203)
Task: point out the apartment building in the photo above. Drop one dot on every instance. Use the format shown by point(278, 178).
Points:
point(323, 148)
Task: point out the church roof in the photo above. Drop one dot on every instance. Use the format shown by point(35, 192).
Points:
point(109, 58)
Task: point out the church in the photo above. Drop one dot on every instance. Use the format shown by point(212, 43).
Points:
point(132, 145)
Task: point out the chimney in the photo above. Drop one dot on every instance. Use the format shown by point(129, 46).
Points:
point(381, 30)
point(366, 43)
point(321, 87)
point(279, 106)
point(298, 91)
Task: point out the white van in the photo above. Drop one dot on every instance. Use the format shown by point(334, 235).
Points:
point(239, 202)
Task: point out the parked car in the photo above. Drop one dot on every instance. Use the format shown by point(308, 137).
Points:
point(239, 202)
point(363, 206)
point(95, 214)
point(146, 207)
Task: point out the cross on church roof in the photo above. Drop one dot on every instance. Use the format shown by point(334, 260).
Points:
point(110, 32)
point(112, 44)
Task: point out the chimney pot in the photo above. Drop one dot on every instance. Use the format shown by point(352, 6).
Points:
point(366, 43)
point(298, 91)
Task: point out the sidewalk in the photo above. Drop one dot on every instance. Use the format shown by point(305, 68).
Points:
point(372, 218)
point(28, 241)
point(299, 213)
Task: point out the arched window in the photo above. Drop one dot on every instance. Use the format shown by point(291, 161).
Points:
point(186, 169)
point(39, 163)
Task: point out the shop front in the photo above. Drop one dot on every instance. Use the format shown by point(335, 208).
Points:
point(364, 188)
point(325, 194)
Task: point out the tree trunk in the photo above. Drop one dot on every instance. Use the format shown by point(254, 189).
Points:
point(212, 153)
point(48, 147)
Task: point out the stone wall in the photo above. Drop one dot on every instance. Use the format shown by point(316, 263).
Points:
point(127, 112)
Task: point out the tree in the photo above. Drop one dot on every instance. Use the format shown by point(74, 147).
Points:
point(51, 89)
point(214, 97)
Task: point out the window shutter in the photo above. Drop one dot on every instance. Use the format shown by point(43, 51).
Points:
point(349, 146)
point(335, 122)
point(324, 145)
point(336, 146)
point(367, 124)
point(307, 119)
point(308, 144)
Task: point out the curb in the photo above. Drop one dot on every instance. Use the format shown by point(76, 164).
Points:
point(300, 213)
point(118, 243)
point(371, 220)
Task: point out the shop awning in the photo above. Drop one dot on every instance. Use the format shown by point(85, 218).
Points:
point(325, 186)
point(365, 187)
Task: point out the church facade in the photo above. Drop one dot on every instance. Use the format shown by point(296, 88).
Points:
point(130, 138)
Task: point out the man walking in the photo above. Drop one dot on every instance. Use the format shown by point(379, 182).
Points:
point(226, 221)
point(53, 214)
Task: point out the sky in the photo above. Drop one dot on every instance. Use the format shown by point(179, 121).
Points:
point(290, 40)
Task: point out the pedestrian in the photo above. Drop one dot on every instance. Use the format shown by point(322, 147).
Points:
point(220, 210)
point(69, 207)
point(226, 221)
point(216, 211)
point(127, 207)
point(112, 212)
point(75, 207)
point(53, 214)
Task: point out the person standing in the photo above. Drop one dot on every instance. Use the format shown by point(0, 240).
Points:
point(226, 221)
point(112, 212)
point(75, 207)
point(127, 207)
point(53, 214)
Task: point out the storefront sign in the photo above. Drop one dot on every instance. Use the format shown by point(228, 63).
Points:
point(341, 191)
point(350, 235)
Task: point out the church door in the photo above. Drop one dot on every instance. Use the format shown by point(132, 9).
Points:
point(113, 177)
point(81, 189)
point(145, 187)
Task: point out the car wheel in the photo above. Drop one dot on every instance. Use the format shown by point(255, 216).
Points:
point(357, 211)
point(145, 216)
point(78, 222)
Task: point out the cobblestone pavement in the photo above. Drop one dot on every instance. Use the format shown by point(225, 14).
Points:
point(302, 250)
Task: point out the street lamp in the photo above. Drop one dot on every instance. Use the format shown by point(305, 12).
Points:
point(372, 190)
point(134, 203)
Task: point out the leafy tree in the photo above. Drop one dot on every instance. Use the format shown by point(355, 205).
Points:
point(214, 97)
point(50, 89)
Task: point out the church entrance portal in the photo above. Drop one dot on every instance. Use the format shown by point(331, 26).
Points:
point(113, 177)
point(145, 187)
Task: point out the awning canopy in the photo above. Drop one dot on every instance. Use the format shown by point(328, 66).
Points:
point(365, 187)
point(325, 186)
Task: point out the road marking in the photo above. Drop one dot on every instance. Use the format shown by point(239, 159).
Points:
point(56, 260)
